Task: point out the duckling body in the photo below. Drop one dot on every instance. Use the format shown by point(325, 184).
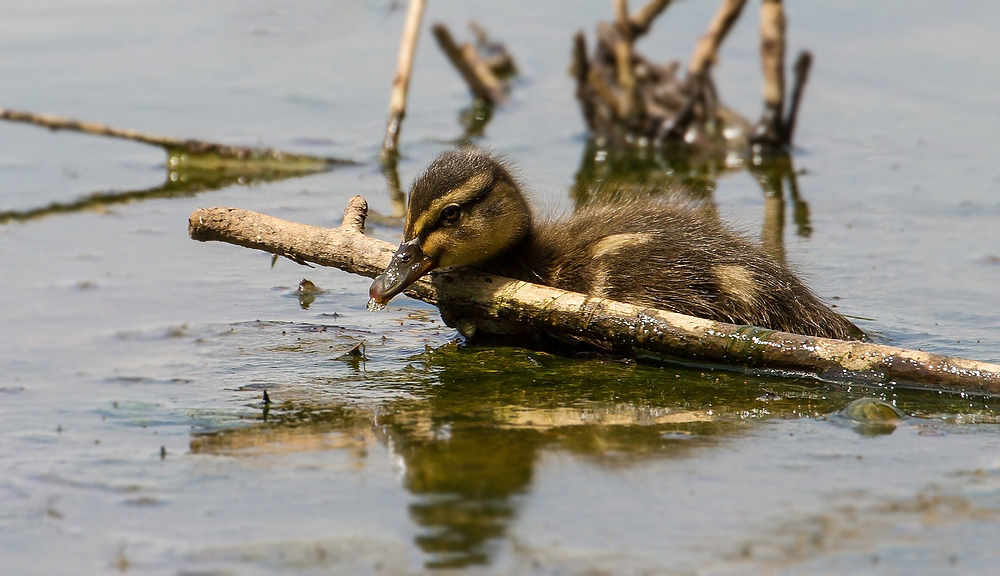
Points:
point(466, 209)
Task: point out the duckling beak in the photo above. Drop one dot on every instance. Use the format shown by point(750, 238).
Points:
point(408, 264)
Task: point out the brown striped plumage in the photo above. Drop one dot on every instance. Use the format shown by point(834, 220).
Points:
point(467, 210)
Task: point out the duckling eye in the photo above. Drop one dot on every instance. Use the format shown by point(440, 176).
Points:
point(450, 214)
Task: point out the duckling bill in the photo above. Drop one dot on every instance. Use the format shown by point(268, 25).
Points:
point(467, 210)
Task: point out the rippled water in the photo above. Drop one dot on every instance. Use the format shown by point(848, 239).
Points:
point(134, 360)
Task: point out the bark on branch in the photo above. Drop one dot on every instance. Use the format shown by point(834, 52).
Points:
point(622, 328)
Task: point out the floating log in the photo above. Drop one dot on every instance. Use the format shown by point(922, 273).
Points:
point(469, 298)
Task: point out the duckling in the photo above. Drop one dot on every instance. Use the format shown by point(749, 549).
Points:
point(467, 210)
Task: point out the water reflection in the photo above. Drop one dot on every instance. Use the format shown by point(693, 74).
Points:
point(474, 120)
point(178, 183)
point(469, 425)
point(471, 434)
point(682, 175)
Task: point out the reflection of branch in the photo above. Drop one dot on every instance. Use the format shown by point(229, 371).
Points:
point(800, 208)
point(186, 184)
point(623, 328)
point(188, 152)
point(772, 237)
point(397, 196)
point(401, 83)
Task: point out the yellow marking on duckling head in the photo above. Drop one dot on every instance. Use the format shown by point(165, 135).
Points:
point(611, 244)
point(737, 282)
point(460, 195)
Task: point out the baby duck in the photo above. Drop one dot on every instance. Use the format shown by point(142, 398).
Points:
point(467, 210)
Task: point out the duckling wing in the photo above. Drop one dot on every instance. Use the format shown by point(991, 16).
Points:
point(649, 254)
point(678, 258)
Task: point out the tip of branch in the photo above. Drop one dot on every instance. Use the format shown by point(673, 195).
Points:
point(195, 222)
point(355, 214)
point(203, 222)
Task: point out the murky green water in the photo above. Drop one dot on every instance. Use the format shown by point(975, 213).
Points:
point(134, 360)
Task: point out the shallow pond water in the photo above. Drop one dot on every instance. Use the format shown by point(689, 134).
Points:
point(134, 360)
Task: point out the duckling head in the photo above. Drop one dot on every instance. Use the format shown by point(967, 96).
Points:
point(465, 209)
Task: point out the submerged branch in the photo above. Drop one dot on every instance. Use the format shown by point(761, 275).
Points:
point(487, 300)
point(177, 184)
point(196, 154)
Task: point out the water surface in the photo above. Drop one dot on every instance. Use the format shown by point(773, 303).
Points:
point(134, 360)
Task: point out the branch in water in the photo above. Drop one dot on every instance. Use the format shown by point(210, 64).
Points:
point(486, 300)
point(195, 154)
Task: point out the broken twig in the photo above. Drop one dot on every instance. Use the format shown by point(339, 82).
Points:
point(487, 300)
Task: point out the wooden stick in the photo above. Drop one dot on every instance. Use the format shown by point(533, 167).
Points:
point(481, 86)
point(401, 82)
point(707, 49)
point(170, 144)
point(623, 328)
point(581, 70)
point(800, 77)
point(621, 47)
point(483, 71)
point(772, 53)
point(769, 130)
point(608, 94)
point(622, 19)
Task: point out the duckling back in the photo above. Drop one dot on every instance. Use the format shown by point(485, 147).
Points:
point(672, 257)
